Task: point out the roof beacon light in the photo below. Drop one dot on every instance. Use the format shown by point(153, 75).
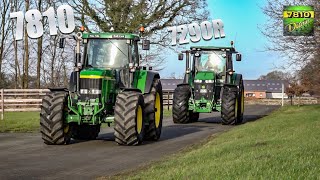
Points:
point(82, 28)
point(141, 29)
point(231, 43)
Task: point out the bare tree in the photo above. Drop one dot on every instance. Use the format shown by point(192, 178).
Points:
point(17, 73)
point(128, 15)
point(4, 30)
point(39, 50)
point(26, 53)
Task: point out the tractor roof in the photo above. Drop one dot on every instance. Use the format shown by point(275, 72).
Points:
point(110, 35)
point(212, 48)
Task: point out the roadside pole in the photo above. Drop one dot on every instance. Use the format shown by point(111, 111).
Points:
point(2, 103)
point(282, 94)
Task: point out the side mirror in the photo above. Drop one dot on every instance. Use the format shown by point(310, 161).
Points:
point(180, 56)
point(146, 44)
point(238, 57)
point(62, 42)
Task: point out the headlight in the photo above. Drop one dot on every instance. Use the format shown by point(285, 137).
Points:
point(197, 81)
point(209, 81)
point(95, 91)
point(83, 91)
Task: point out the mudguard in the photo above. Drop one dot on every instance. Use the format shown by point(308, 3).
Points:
point(151, 75)
point(238, 79)
point(73, 82)
point(183, 84)
point(132, 89)
point(58, 89)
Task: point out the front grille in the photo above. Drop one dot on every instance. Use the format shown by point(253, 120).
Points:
point(90, 84)
point(208, 86)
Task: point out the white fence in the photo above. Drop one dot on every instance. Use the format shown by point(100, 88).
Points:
point(12, 100)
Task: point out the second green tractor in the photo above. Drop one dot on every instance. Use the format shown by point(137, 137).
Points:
point(210, 84)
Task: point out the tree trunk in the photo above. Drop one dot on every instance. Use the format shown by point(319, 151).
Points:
point(54, 46)
point(3, 33)
point(39, 53)
point(17, 75)
point(26, 54)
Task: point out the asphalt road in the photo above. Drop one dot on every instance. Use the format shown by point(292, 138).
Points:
point(24, 156)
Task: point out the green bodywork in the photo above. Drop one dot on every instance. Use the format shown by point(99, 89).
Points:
point(203, 104)
point(101, 109)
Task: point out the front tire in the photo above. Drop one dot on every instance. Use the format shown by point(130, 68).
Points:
point(180, 108)
point(154, 111)
point(229, 107)
point(129, 118)
point(53, 129)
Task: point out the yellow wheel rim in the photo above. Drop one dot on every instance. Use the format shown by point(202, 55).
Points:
point(157, 105)
point(242, 102)
point(139, 119)
point(66, 129)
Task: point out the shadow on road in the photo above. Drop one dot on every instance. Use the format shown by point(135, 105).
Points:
point(206, 121)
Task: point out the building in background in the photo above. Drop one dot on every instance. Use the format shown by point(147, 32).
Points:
point(252, 88)
point(264, 88)
point(170, 84)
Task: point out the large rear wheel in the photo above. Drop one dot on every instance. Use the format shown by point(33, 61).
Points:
point(53, 128)
point(129, 118)
point(154, 111)
point(241, 103)
point(180, 107)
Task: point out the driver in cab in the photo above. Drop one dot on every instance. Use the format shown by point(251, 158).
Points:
point(215, 63)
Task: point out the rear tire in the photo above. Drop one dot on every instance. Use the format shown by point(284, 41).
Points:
point(241, 103)
point(53, 129)
point(229, 105)
point(129, 118)
point(180, 107)
point(154, 111)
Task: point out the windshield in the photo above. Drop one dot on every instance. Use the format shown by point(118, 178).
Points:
point(107, 53)
point(211, 61)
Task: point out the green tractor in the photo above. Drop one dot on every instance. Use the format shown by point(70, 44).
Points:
point(108, 85)
point(209, 85)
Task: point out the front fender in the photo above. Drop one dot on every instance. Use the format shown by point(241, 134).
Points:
point(144, 80)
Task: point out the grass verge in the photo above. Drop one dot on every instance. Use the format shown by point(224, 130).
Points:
point(283, 145)
point(29, 121)
point(20, 122)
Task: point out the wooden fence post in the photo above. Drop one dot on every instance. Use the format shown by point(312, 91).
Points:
point(168, 100)
point(2, 104)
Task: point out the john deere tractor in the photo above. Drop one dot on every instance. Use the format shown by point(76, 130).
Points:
point(108, 85)
point(210, 84)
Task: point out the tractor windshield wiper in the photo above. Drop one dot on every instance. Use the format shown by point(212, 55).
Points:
point(118, 48)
